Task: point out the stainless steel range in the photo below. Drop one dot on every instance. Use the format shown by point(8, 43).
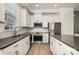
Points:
point(37, 37)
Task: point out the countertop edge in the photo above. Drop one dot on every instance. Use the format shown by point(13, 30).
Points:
point(12, 43)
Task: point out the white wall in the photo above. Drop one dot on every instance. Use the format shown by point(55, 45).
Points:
point(66, 15)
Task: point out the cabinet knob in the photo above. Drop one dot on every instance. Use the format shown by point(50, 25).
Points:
point(60, 44)
point(17, 52)
point(64, 54)
point(72, 53)
point(53, 39)
point(16, 45)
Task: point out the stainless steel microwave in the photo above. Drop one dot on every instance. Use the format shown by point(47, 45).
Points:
point(37, 24)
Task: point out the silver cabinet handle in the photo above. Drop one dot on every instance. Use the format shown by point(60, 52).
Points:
point(60, 44)
point(53, 39)
point(27, 42)
point(16, 45)
point(17, 52)
point(50, 37)
point(51, 43)
point(72, 53)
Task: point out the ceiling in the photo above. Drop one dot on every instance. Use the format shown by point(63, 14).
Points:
point(51, 5)
point(44, 6)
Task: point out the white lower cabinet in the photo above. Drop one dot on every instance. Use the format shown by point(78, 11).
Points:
point(19, 48)
point(27, 44)
point(51, 43)
point(45, 38)
point(59, 48)
point(11, 50)
point(24, 46)
point(70, 51)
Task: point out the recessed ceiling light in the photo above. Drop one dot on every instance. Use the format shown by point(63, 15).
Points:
point(55, 5)
point(37, 5)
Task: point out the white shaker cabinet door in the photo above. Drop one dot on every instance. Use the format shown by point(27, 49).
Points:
point(45, 38)
point(24, 46)
point(28, 43)
point(45, 21)
point(11, 50)
point(58, 47)
point(23, 17)
point(51, 44)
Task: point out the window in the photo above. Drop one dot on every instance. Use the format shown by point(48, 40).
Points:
point(10, 16)
point(9, 21)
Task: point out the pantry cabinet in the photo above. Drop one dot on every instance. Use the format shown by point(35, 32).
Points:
point(19, 48)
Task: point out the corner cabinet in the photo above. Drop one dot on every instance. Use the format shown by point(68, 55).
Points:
point(19, 48)
point(59, 48)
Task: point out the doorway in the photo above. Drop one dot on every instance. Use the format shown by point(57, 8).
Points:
point(57, 28)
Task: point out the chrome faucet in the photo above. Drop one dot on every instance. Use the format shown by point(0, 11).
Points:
point(15, 30)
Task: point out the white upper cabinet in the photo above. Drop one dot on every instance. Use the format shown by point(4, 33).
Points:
point(2, 12)
point(32, 20)
point(45, 21)
point(18, 15)
point(38, 17)
point(24, 18)
point(28, 19)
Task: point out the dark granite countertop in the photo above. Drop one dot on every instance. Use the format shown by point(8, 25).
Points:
point(5, 42)
point(72, 41)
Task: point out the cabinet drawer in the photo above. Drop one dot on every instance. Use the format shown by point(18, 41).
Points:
point(11, 50)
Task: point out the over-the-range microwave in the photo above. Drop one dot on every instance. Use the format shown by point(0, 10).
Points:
point(37, 24)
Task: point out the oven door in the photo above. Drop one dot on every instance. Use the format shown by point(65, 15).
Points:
point(37, 38)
